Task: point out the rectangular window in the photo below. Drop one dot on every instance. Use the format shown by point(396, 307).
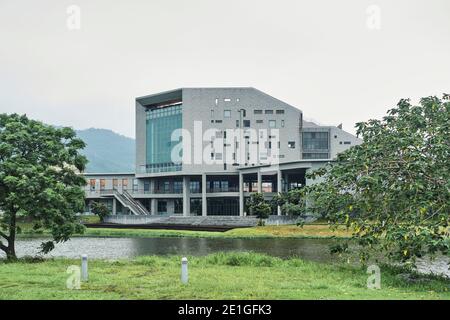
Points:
point(102, 184)
point(315, 140)
point(115, 183)
point(280, 111)
point(125, 184)
point(347, 142)
point(237, 123)
point(218, 156)
point(268, 111)
point(178, 186)
point(246, 123)
point(161, 122)
point(257, 112)
point(282, 123)
point(259, 121)
point(162, 206)
point(194, 186)
point(146, 186)
point(218, 121)
point(227, 113)
point(291, 144)
point(315, 156)
point(272, 123)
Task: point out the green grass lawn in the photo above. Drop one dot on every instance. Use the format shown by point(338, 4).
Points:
point(287, 231)
point(217, 276)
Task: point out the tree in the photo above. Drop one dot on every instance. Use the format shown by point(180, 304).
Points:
point(292, 203)
point(100, 209)
point(393, 190)
point(259, 207)
point(39, 180)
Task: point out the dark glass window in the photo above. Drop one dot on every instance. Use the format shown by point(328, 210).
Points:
point(315, 140)
point(162, 206)
point(246, 123)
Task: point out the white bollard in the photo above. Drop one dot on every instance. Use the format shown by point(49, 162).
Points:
point(84, 267)
point(184, 270)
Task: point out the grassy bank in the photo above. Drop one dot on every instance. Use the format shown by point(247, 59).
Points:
point(217, 276)
point(286, 231)
point(289, 231)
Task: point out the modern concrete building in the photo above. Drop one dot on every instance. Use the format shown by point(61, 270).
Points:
point(204, 151)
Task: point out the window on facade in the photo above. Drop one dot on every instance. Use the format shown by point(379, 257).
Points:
point(315, 155)
point(227, 113)
point(92, 183)
point(194, 186)
point(237, 123)
point(218, 121)
point(146, 186)
point(162, 121)
point(315, 140)
point(272, 123)
point(259, 121)
point(291, 144)
point(246, 123)
point(102, 184)
point(257, 112)
point(282, 123)
point(115, 183)
point(218, 156)
point(244, 113)
point(280, 111)
point(178, 186)
point(125, 184)
point(162, 206)
point(347, 142)
point(268, 111)
point(178, 206)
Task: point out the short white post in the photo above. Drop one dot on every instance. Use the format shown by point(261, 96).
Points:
point(84, 267)
point(184, 270)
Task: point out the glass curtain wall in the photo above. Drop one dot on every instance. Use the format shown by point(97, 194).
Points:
point(161, 122)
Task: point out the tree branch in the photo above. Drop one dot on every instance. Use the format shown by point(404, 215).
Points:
point(4, 235)
point(3, 247)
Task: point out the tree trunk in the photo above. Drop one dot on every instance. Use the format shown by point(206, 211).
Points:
point(11, 249)
point(11, 252)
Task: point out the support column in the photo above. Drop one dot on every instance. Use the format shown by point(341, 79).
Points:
point(186, 198)
point(241, 194)
point(152, 186)
point(204, 203)
point(154, 207)
point(279, 189)
point(259, 177)
point(114, 207)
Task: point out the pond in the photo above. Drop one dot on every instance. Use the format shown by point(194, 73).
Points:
point(316, 250)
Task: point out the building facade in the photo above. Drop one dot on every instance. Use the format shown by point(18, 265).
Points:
point(204, 151)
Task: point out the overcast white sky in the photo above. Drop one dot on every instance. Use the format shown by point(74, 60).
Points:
point(319, 56)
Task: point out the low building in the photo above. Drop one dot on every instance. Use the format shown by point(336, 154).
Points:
point(204, 151)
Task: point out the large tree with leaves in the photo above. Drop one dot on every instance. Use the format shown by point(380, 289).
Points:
point(393, 190)
point(39, 179)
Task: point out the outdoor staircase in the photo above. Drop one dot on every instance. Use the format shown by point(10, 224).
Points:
point(128, 202)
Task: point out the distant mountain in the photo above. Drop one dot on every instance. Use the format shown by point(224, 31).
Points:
point(107, 151)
